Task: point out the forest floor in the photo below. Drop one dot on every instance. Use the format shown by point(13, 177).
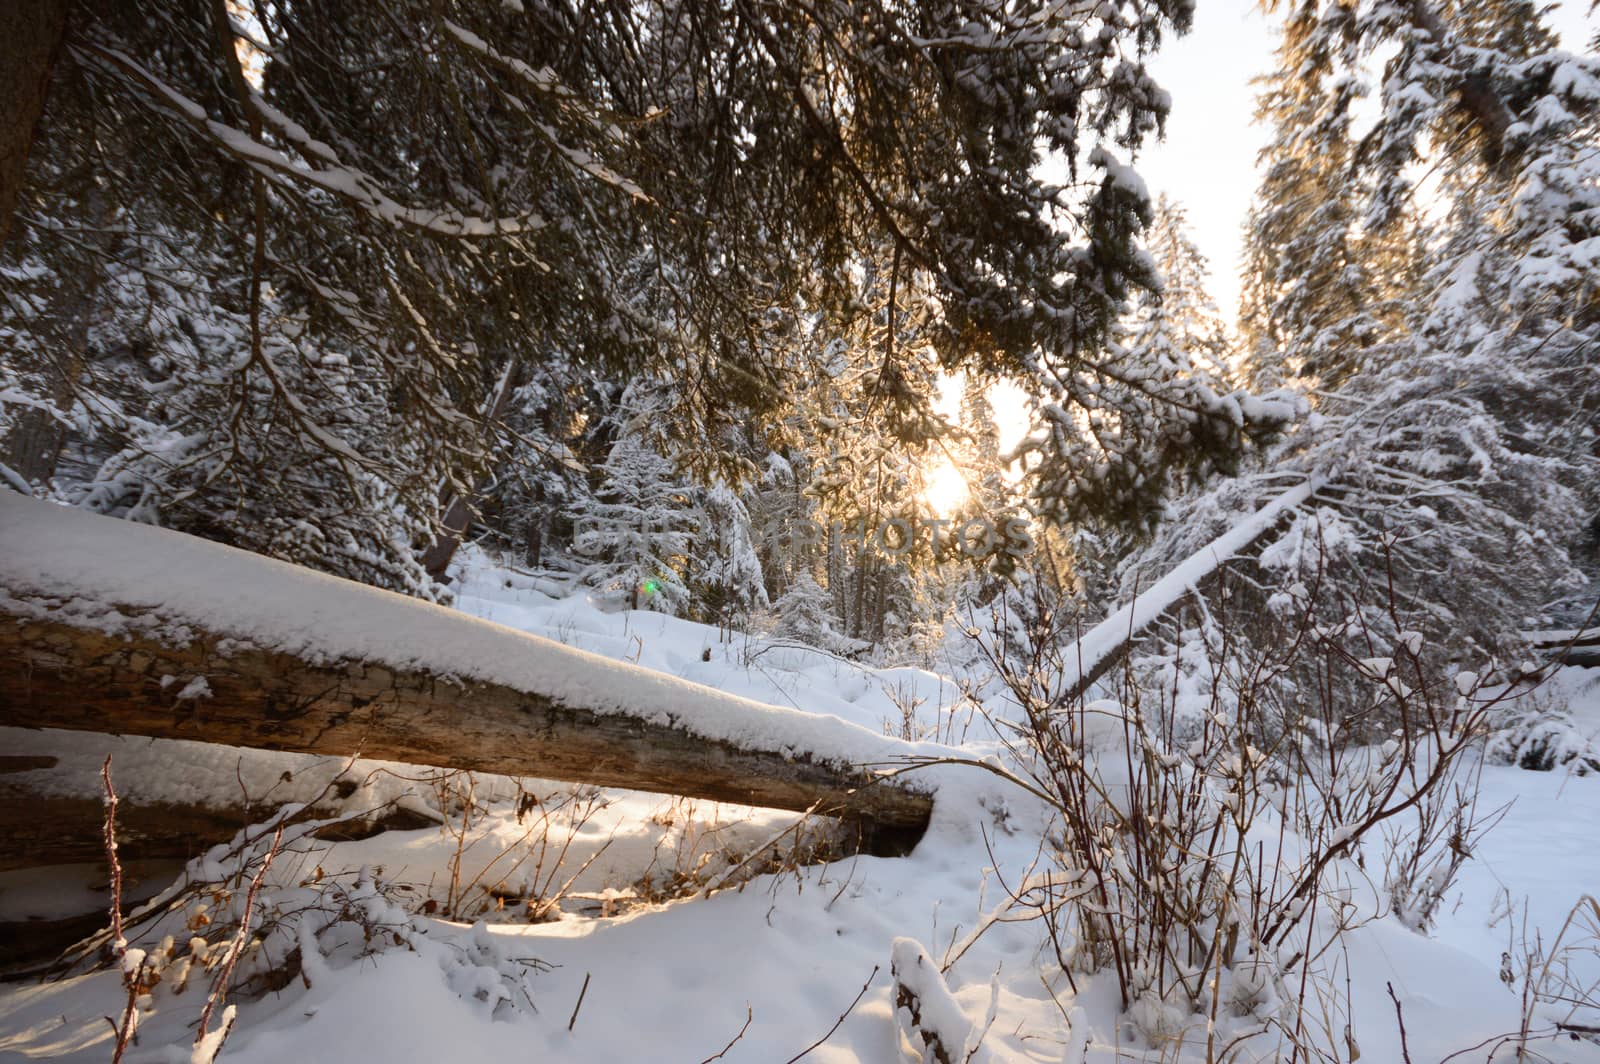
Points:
point(634, 959)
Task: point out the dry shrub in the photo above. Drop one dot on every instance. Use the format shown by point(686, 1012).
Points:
point(1557, 981)
point(1217, 819)
point(527, 870)
point(256, 914)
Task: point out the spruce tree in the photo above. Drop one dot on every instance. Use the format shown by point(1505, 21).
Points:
point(636, 533)
point(724, 574)
point(1315, 298)
point(1455, 434)
point(443, 193)
point(1178, 328)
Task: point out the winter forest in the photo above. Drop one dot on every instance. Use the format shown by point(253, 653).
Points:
point(697, 530)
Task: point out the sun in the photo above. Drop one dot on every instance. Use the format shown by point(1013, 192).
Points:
point(944, 488)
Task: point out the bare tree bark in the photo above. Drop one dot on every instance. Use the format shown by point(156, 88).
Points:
point(31, 32)
point(458, 514)
point(56, 675)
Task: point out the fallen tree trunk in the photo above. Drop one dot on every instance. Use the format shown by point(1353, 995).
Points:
point(41, 828)
point(1099, 650)
point(74, 909)
point(1568, 647)
point(119, 628)
point(48, 831)
point(175, 800)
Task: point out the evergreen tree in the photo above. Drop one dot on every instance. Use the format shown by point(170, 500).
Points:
point(725, 575)
point(1318, 295)
point(635, 534)
point(804, 616)
point(1457, 448)
point(1172, 342)
point(542, 473)
point(651, 191)
point(292, 445)
point(1177, 328)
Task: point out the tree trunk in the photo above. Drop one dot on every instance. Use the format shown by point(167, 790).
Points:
point(1579, 648)
point(49, 830)
point(55, 675)
point(112, 627)
point(37, 437)
point(534, 531)
point(458, 514)
point(856, 623)
point(31, 32)
point(1104, 646)
point(880, 592)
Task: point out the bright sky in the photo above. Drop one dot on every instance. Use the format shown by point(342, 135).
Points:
point(1207, 162)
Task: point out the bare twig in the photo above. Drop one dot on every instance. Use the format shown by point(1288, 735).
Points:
point(131, 976)
point(748, 1016)
point(1405, 1049)
point(836, 1023)
point(211, 1041)
point(579, 1005)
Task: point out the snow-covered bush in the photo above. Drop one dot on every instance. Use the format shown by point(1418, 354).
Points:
point(1541, 740)
point(1538, 728)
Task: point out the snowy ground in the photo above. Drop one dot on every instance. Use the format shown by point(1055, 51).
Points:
point(772, 965)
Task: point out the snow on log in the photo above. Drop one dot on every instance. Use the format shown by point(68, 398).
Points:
point(1569, 646)
point(178, 799)
point(1098, 650)
point(122, 628)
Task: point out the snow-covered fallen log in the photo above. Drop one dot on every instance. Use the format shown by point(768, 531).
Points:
point(1098, 650)
point(1569, 646)
point(177, 799)
point(120, 628)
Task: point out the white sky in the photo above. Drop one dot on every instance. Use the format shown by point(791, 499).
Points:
point(1207, 162)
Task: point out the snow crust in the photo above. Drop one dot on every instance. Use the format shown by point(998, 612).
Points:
point(789, 952)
